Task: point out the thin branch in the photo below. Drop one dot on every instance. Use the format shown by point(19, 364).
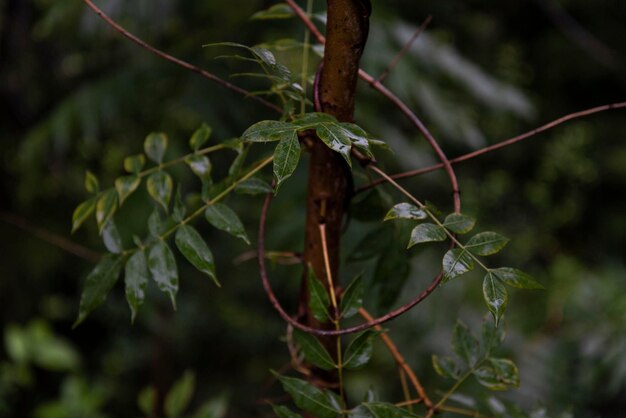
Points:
point(50, 237)
point(397, 102)
point(502, 144)
point(404, 50)
point(283, 314)
point(177, 61)
point(400, 361)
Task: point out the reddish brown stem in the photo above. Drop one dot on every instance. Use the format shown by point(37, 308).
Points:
point(177, 61)
point(398, 103)
point(502, 144)
point(400, 361)
point(325, 332)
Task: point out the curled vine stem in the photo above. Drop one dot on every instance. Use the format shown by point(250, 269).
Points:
point(184, 64)
point(398, 103)
point(341, 331)
point(501, 144)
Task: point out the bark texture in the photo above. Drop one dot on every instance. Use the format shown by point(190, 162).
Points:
point(329, 175)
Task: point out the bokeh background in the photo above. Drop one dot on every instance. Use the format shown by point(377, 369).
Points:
point(76, 95)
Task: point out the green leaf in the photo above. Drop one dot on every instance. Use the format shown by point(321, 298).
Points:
point(334, 136)
point(111, 237)
point(253, 186)
point(313, 350)
point(179, 397)
point(495, 295)
point(284, 412)
point(105, 208)
point(155, 146)
point(516, 278)
point(426, 233)
point(459, 223)
point(162, 266)
point(125, 186)
point(147, 399)
point(136, 281)
point(224, 218)
point(200, 165)
point(160, 188)
point(323, 404)
point(155, 223)
point(91, 182)
point(352, 298)
point(492, 336)
point(277, 11)
point(446, 367)
point(405, 211)
point(235, 168)
point(359, 137)
point(97, 285)
point(486, 243)
point(195, 250)
point(318, 297)
point(286, 157)
point(456, 262)
point(498, 374)
point(82, 212)
point(312, 119)
point(265, 56)
point(382, 410)
point(465, 345)
point(179, 211)
point(359, 350)
point(134, 163)
point(199, 137)
point(268, 131)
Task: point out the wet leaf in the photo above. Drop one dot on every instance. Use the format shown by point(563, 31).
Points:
point(516, 278)
point(196, 251)
point(162, 266)
point(199, 137)
point(98, 284)
point(200, 165)
point(125, 186)
point(334, 136)
point(105, 208)
point(359, 350)
point(405, 211)
point(323, 404)
point(495, 295)
point(111, 237)
point(318, 297)
point(286, 157)
point(352, 299)
point(160, 188)
point(456, 262)
point(268, 131)
point(498, 374)
point(426, 233)
point(224, 218)
point(134, 163)
point(459, 223)
point(486, 243)
point(136, 281)
point(82, 213)
point(155, 146)
point(253, 186)
point(314, 351)
point(446, 367)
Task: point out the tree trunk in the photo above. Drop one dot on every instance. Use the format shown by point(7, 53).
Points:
point(329, 176)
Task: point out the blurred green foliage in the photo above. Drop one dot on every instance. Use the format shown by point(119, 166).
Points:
point(77, 96)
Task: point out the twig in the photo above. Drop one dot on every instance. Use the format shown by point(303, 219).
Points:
point(400, 361)
point(50, 237)
point(178, 61)
point(396, 102)
point(404, 50)
point(502, 144)
point(276, 304)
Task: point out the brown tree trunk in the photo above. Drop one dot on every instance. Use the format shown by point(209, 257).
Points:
point(329, 175)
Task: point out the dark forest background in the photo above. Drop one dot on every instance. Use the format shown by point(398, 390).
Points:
point(75, 96)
